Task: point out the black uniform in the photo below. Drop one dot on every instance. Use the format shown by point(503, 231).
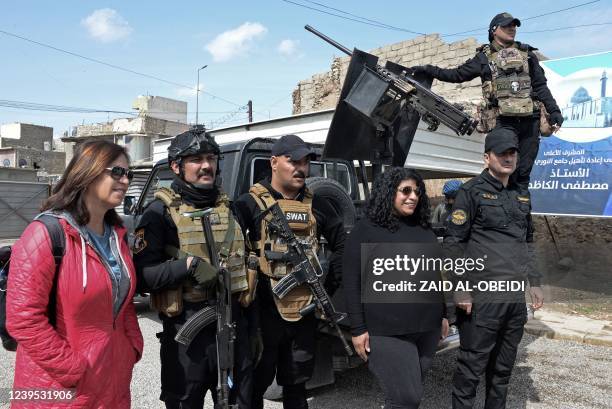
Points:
point(527, 128)
point(187, 372)
point(491, 219)
point(403, 336)
point(288, 346)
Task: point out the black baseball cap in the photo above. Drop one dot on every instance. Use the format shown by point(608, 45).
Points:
point(500, 140)
point(503, 20)
point(292, 146)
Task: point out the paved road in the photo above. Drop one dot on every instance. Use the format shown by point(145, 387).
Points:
point(549, 375)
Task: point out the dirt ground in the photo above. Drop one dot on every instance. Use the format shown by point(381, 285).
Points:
point(575, 256)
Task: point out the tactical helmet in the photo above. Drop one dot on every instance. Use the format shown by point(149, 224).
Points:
point(192, 142)
point(451, 188)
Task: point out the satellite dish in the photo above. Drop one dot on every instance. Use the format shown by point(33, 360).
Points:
point(6, 163)
point(23, 163)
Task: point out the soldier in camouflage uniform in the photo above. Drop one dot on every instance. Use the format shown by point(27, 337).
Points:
point(173, 265)
point(289, 341)
point(514, 89)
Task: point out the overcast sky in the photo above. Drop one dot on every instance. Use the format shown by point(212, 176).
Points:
point(255, 50)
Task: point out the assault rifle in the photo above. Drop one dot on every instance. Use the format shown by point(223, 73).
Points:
point(304, 272)
point(222, 313)
point(381, 92)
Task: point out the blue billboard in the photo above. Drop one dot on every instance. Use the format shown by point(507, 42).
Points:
point(572, 174)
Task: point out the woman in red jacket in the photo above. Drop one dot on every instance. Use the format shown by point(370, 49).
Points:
point(94, 341)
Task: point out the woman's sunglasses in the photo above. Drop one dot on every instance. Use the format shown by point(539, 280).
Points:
point(407, 191)
point(117, 173)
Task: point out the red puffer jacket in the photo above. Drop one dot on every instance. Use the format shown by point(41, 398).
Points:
point(88, 350)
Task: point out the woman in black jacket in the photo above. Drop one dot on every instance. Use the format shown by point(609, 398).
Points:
point(398, 339)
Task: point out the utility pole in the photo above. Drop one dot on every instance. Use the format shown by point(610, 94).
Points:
point(250, 110)
point(198, 92)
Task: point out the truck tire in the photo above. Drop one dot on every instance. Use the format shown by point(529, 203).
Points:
point(337, 196)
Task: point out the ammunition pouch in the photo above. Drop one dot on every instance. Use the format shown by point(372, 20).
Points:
point(168, 302)
point(247, 297)
point(487, 118)
point(546, 128)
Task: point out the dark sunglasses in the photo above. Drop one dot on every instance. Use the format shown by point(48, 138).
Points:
point(117, 173)
point(407, 190)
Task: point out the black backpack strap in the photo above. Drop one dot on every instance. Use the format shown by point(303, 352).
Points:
point(58, 245)
point(58, 239)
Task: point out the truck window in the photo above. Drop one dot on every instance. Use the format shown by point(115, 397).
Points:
point(340, 174)
point(162, 178)
point(225, 169)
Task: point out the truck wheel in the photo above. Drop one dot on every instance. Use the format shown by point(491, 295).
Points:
point(337, 196)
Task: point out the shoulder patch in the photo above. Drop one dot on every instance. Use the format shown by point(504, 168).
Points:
point(458, 217)
point(139, 241)
point(489, 196)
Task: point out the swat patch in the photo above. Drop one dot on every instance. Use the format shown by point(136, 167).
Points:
point(297, 217)
point(139, 241)
point(489, 196)
point(524, 199)
point(458, 217)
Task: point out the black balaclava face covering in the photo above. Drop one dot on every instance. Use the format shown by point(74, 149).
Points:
point(199, 197)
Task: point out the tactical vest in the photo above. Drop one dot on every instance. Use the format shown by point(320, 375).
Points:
point(192, 241)
point(304, 225)
point(510, 87)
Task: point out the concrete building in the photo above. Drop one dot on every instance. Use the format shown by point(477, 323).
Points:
point(158, 117)
point(30, 147)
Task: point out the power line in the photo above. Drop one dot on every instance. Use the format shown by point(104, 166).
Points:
point(559, 28)
point(379, 25)
point(524, 19)
point(364, 18)
point(117, 67)
point(559, 11)
point(227, 118)
point(33, 106)
point(566, 28)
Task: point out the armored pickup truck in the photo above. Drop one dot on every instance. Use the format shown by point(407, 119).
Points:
point(341, 182)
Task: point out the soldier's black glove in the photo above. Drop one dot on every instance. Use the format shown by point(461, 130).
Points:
point(422, 69)
point(204, 273)
point(556, 118)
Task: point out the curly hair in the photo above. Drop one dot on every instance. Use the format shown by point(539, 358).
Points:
point(380, 206)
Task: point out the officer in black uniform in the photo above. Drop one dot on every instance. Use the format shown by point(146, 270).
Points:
point(187, 373)
point(288, 346)
point(512, 81)
point(491, 220)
